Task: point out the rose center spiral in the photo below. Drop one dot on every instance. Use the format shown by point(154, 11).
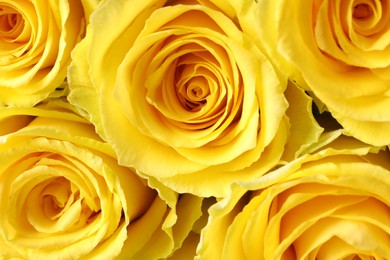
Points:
point(57, 204)
point(11, 23)
point(192, 91)
point(56, 195)
point(362, 11)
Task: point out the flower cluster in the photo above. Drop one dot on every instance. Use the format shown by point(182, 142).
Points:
point(194, 129)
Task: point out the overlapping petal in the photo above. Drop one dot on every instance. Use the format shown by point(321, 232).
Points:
point(183, 94)
point(190, 129)
point(36, 39)
point(330, 204)
point(63, 194)
point(336, 49)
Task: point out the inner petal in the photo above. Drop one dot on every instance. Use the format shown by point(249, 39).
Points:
point(15, 24)
point(192, 89)
point(197, 90)
point(58, 192)
point(60, 203)
point(55, 204)
point(367, 16)
point(17, 34)
point(362, 11)
point(186, 80)
point(11, 23)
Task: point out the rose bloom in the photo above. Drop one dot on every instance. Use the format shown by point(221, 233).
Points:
point(36, 39)
point(333, 203)
point(64, 196)
point(183, 94)
point(338, 50)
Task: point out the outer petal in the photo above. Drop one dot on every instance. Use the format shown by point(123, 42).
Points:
point(180, 98)
point(35, 50)
point(327, 48)
point(63, 194)
point(309, 209)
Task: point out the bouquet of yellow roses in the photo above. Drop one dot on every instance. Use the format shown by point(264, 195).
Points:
point(194, 129)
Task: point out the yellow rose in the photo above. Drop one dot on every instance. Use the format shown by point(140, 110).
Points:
point(331, 204)
point(182, 94)
point(36, 39)
point(336, 49)
point(64, 196)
